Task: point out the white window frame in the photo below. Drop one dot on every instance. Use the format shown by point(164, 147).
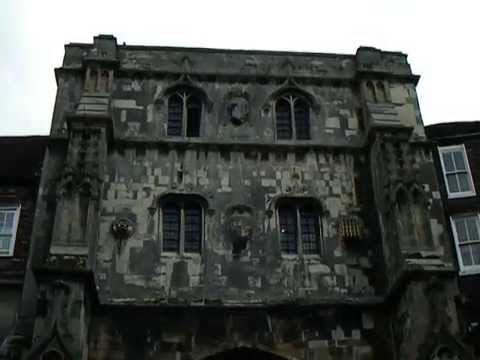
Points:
point(460, 194)
point(16, 208)
point(464, 269)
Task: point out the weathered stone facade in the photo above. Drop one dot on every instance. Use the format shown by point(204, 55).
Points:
point(217, 203)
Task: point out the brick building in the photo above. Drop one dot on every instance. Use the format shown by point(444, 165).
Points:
point(20, 167)
point(203, 203)
point(458, 164)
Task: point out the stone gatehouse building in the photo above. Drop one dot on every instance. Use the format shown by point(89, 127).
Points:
point(214, 204)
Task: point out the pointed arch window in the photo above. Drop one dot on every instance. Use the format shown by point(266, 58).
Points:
point(382, 92)
point(292, 114)
point(371, 93)
point(184, 114)
point(376, 91)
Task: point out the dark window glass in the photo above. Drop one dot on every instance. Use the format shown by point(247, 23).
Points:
point(299, 227)
point(459, 160)
point(456, 171)
point(193, 227)
point(448, 161)
point(471, 224)
point(288, 229)
point(292, 118)
point(476, 253)
point(284, 119)
point(175, 115)
point(302, 119)
point(309, 230)
point(194, 114)
point(466, 255)
point(452, 181)
point(463, 182)
point(171, 227)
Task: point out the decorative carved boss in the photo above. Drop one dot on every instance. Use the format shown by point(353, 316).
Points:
point(124, 225)
point(122, 228)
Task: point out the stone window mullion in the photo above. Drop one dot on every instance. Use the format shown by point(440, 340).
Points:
point(184, 97)
point(87, 79)
point(291, 100)
point(299, 231)
point(160, 228)
point(182, 229)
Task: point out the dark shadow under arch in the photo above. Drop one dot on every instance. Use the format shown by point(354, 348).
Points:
point(244, 353)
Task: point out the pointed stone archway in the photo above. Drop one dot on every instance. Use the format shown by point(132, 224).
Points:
point(244, 353)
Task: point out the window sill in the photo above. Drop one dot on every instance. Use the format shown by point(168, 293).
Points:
point(424, 252)
point(470, 271)
point(291, 141)
point(301, 256)
point(461, 195)
point(186, 256)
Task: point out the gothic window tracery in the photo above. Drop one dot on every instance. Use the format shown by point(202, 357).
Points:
point(98, 80)
point(184, 113)
point(381, 93)
point(376, 92)
point(292, 116)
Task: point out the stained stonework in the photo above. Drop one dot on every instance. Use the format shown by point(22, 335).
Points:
point(238, 204)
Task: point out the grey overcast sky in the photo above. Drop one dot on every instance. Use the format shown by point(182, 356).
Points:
point(442, 39)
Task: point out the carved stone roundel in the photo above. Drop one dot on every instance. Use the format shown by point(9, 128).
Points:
point(122, 228)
